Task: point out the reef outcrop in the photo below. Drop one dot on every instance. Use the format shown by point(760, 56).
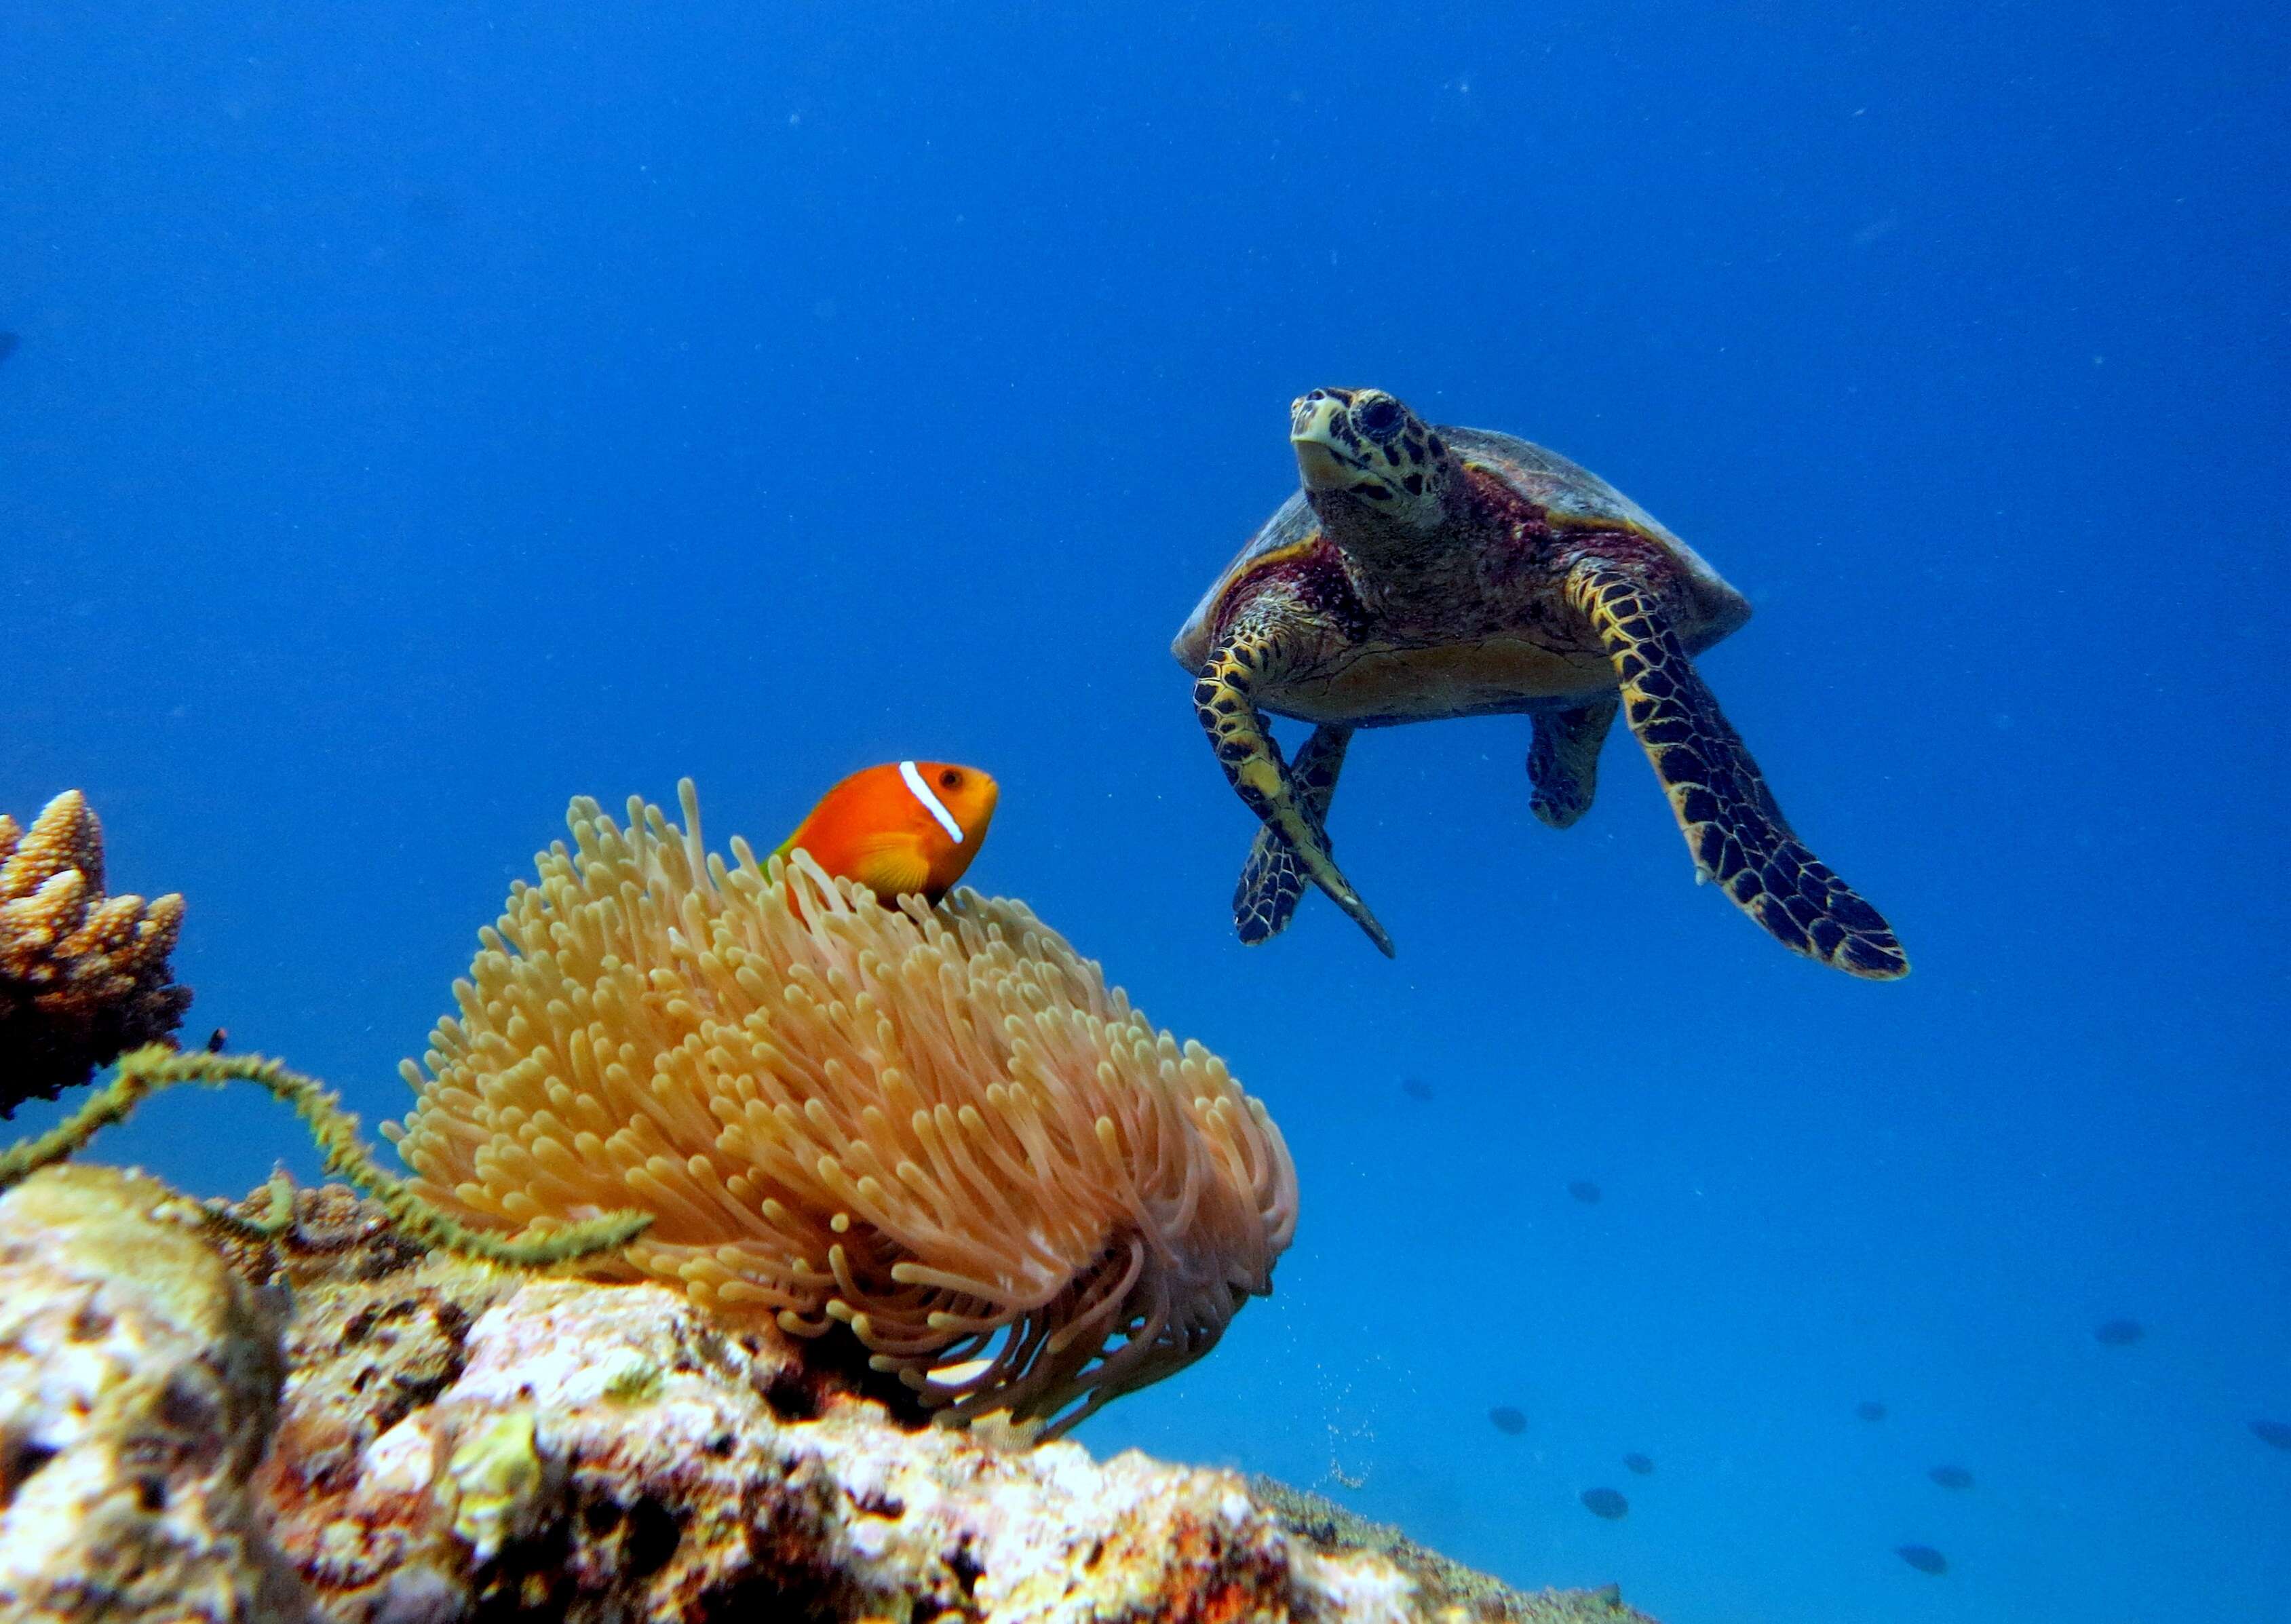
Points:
point(140, 1380)
point(292, 1414)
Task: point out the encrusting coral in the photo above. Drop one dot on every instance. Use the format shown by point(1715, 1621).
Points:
point(936, 1126)
point(83, 976)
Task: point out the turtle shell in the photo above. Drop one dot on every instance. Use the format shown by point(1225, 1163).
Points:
point(1572, 494)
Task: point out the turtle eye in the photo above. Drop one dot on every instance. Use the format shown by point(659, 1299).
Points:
point(1381, 419)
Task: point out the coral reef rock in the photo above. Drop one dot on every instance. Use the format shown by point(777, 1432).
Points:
point(139, 1382)
point(425, 1440)
point(83, 976)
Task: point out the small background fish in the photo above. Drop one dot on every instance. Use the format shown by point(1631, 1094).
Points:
point(1607, 1504)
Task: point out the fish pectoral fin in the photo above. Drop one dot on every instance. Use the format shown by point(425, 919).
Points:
point(891, 867)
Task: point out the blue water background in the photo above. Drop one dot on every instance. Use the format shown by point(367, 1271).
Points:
point(427, 412)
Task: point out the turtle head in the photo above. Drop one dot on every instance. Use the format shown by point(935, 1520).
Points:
point(1363, 447)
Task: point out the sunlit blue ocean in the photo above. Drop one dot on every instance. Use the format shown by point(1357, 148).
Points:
point(424, 414)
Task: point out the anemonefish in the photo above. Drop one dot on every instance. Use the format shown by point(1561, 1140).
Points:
point(910, 827)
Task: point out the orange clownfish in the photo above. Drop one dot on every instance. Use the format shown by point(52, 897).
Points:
point(901, 829)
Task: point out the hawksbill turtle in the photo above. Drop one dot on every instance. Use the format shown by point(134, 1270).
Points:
point(1423, 573)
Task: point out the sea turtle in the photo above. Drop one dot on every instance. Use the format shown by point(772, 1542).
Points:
point(1432, 572)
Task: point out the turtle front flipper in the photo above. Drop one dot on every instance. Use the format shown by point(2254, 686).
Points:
point(1273, 880)
point(1225, 700)
point(1563, 760)
point(1732, 824)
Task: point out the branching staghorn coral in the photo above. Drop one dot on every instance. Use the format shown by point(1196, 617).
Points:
point(83, 976)
point(155, 1067)
point(936, 1126)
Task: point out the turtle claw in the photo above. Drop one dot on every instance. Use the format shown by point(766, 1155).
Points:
point(1367, 921)
point(1255, 919)
point(1253, 933)
point(1340, 892)
point(1331, 880)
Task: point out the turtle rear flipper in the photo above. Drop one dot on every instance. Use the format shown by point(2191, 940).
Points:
point(1272, 881)
point(1732, 826)
point(1224, 701)
point(1563, 760)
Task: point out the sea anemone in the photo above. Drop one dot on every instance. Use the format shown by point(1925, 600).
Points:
point(934, 1126)
point(83, 976)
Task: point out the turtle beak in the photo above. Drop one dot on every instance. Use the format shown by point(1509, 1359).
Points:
point(1312, 434)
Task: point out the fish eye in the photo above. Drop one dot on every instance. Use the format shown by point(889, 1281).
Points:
point(1380, 418)
point(950, 779)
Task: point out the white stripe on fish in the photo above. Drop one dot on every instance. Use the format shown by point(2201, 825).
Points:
point(932, 804)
